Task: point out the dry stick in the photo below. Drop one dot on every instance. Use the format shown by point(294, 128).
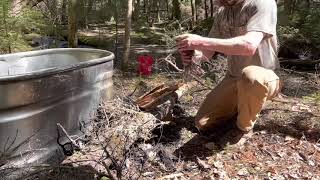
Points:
point(186, 71)
point(171, 63)
point(111, 176)
point(67, 135)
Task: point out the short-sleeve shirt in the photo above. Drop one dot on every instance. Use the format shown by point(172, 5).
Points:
point(246, 16)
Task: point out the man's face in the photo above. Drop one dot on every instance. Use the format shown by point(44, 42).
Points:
point(229, 2)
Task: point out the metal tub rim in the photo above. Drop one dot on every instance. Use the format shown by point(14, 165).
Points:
point(51, 71)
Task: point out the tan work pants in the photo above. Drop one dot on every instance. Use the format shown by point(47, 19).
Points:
point(243, 97)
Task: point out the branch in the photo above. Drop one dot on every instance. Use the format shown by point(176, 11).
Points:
point(167, 59)
point(74, 143)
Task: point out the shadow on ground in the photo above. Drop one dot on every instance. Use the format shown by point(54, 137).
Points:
point(295, 125)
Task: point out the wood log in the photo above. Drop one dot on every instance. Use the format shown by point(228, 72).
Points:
point(160, 100)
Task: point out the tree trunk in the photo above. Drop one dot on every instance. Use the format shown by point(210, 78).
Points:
point(167, 8)
point(288, 7)
point(197, 3)
point(146, 9)
point(211, 8)
point(137, 10)
point(116, 16)
point(158, 11)
point(176, 9)
point(88, 10)
point(127, 36)
point(72, 24)
point(63, 12)
point(206, 9)
point(5, 10)
point(193, 11)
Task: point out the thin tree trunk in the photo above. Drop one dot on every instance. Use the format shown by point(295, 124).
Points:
point(197, 2)
point(127, 36)
point(167, 7)
point(88, 10)
point(287, 11)
point(146, 8)
point(116, 14)
point(158, 11)
point(193, 11)
point(4, 14)
point(206, 9)
point(137, 10)
point(176, 9)
point(211, 8)
point(63, 11)
point(72, 24)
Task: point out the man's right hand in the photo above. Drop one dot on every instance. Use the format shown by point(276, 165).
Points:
point(189, 57)
point(186, 57)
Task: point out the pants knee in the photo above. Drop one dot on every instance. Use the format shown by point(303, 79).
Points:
point(251, 74)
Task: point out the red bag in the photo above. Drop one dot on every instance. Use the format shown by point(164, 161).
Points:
point(145, 65)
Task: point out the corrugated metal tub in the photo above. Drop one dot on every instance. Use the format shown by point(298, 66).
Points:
point(42, 88)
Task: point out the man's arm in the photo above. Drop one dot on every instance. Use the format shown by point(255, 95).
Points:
point(245, 45)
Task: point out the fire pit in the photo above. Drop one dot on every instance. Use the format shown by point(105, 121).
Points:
point(41, 89)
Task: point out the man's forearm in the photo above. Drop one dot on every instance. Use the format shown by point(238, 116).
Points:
point(242, 45)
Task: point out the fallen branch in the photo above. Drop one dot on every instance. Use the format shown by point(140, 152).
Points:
point(73, 142)
point(167, 60)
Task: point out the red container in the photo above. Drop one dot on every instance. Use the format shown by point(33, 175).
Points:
point(145, 65)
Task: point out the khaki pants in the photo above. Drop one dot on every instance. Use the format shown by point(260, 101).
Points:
point(243, 97)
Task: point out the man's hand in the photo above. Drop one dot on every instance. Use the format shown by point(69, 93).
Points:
point(195, 56)
point(186, 57)
point(188, 42)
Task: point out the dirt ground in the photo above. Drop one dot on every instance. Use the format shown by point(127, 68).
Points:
point(285, 143)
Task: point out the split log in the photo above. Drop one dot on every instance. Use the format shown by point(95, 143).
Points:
point(160, 100)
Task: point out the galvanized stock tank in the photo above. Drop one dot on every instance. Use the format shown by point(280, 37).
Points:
point(39, 89)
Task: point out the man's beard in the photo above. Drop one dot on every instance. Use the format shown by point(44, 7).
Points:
point(229, 2)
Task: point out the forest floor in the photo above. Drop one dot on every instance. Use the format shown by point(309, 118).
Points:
point(285, 144)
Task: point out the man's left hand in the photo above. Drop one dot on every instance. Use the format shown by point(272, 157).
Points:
point(187, 42)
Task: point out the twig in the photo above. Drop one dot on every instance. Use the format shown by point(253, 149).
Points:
point(166, 59)
point(74, 143)
point(110, 175)
point(200, 90)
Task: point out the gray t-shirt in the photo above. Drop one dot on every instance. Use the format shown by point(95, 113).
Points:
point(249, 15)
